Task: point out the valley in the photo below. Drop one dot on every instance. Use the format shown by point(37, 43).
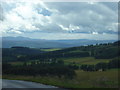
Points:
point(92, 66)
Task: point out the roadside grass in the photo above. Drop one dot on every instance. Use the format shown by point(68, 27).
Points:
point(47, 80)
point(106, 79)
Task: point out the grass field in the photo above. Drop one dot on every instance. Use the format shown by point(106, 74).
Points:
point(77, 61)
point(16, 63)
point(106, 79)
point(84, 60)
point(51, 49)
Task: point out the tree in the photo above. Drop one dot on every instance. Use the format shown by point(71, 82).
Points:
point(115, 63)
point(84, 67)
point(102, 66)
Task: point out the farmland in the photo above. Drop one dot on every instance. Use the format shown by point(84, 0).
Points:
point(77, 67)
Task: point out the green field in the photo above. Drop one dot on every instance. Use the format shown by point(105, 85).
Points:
point(77, 61)
point(98, 79)
point(84, 60)
point(16, 63)
point(51, 49)
point(92, 66)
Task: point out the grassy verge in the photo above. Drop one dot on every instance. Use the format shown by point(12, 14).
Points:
point(106, 79)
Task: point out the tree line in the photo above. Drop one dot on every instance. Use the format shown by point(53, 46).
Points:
point(55, 68)
point(42, 69)
point(115, 63)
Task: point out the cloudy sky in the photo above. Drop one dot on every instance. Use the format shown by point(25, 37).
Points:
point(60, 20)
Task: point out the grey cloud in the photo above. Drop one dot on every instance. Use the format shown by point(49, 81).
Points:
point(98, 17)
point(1, 13)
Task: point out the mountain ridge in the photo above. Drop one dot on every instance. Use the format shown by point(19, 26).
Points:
point(8, 42)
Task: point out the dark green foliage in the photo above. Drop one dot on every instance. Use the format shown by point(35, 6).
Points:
point(107, 53)
point(42, 69)
point(18, 53)
point(61, 62)
point(74, 67)
point(88, 67)
point(47, 63)
point(19, 47)
point(117, 43)
point(115, 63)
point(101, 66)
point(99, 51)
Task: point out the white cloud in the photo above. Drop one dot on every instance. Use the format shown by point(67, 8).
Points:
point(64, 28)
point(79, 17)
point(17, 32)
point(70, 28)
point(22, 18)
point(94, 33)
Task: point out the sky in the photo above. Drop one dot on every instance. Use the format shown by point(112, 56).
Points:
point(59, 20)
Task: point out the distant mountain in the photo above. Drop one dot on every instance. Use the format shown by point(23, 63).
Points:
point(15, 38)
point(8, 42)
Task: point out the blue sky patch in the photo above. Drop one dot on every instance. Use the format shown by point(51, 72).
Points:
point(45, 12)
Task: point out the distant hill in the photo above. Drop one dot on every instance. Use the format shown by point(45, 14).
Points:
point(99, 51)
point(8, 42)
point(17, 53)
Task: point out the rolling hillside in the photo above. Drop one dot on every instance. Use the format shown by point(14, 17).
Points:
point(99, 51)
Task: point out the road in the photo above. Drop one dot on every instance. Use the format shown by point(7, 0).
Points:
point(23, 84)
